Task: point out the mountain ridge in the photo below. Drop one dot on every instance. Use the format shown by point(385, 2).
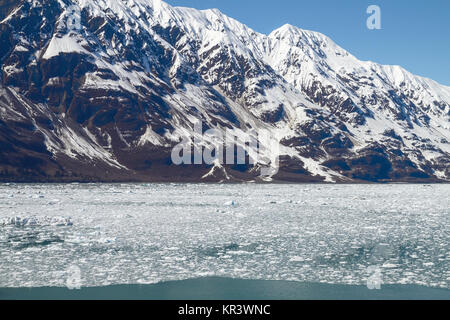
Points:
point(110, 97)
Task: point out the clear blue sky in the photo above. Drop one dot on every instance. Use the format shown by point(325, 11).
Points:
point(415, 33)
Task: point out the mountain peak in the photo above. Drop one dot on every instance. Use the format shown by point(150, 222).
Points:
point(287, 27)
point(293, 34)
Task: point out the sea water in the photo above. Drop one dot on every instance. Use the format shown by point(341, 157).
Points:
point(113, 234)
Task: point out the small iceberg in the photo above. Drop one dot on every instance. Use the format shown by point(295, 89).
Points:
point(36, 221)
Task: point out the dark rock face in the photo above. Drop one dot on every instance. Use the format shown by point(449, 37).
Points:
point(6, 6)
point(107, 102)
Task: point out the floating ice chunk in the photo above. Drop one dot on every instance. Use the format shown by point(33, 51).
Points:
point(296, 259)
point(54, 201)
point(239, 252)
point(390, 266)
point(231, 203)
point(61, 221)
point(18, 221)
point(36, 221)
point(240, 215)
point(106, 240)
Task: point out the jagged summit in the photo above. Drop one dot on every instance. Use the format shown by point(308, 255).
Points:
point(103, 101)
point(294, 32)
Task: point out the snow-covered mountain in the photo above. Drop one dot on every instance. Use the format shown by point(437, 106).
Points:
point(103, 90)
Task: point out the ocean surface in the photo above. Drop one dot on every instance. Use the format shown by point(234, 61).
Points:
point(113, 235)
